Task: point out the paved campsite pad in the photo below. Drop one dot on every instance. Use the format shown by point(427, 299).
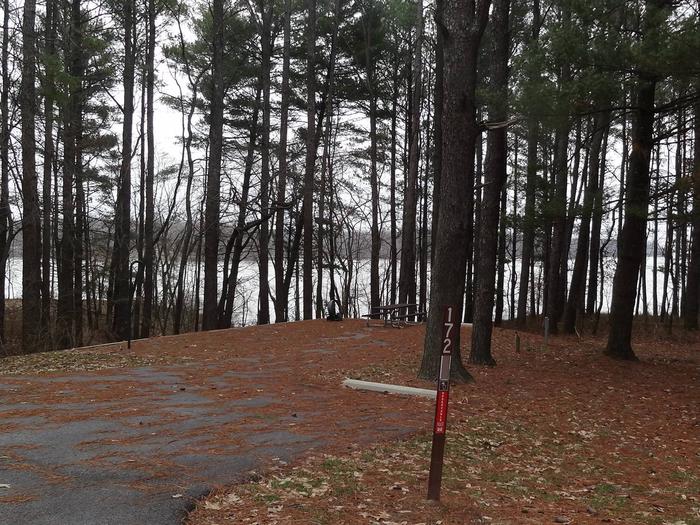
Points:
point(139, 445)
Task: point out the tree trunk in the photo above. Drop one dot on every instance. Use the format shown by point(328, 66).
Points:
point(407, 270)
point(633, 239)
point(692, 302)
point(5, 214)
point(148, 248)
point(31, 219)
point(558, 209)
point(65, 315)
point(310, 158)
point(49, 89)
point(528, 223)
point(683, 216)
point(623, 168)
point(236, 242)
point(574, 304)
point(501, 265)
point(574, 200)
point(438, 103)
point(281, 298)
point(375, 243)
point(463, 29)
point(264, 232)
point(198, 264)
point(596, 224)
point(189, 223)
point(669, 239)
point(120, 265)
point(213, 204)
point(655, 252)
point(332, 234)
point(494, 181)
point(374, 183)
point(326, 162)
point(393, 249)
point(80, 225)
point(472, 208)
point(137, 285)
point(514, 238)
point(423, 249)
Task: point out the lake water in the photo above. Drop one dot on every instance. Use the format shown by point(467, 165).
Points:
point(246, 303)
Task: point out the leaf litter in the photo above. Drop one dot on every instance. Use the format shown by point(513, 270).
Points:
point(561, 435)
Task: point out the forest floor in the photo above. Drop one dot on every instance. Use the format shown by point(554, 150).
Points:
point(255, 418)
point(556, 435)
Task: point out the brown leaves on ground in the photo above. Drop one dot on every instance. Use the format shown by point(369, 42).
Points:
point(557, 435)
point(75, 360)
point(561, 435)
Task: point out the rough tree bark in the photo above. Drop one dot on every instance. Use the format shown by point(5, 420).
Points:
point(692, 302)
point(189, 223)
point(577, 289)
point(375, 243)
point(264, 232)
point(49, 95)
point(148, 248)
point(5, 213)
point(494, 181)
point(462, 27)
point(393, 247)
point(374, 183)
point(281, 299)
point(326, 165)
point(72, 117)
point(81, 227)
point(632, 244)
point(501, 265)
point(528, 222)
point(437, 102)
point(558, 209)
point(596, 227)
point(235, 246)
point(216, 127)
point(407, 270)
point(310, 165)
point(423, 245)
point(120, 257)
point(528, 226)
point(31, 219)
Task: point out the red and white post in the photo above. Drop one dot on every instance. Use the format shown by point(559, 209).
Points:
point(443, 395)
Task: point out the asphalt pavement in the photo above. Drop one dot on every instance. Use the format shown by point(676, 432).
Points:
point(139, 446)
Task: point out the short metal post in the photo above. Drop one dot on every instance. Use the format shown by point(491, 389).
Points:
point(546, 332)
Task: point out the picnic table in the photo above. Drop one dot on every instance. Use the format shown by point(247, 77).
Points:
point(396, 315)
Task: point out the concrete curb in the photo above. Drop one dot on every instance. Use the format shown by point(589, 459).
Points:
point(356, 384)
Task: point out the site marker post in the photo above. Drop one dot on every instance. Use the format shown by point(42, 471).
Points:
point(443, 394)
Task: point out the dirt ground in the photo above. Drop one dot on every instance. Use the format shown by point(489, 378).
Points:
point(555, 435)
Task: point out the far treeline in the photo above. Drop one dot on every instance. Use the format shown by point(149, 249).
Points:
point(495, 155)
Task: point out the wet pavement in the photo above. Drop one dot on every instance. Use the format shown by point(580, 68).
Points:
point(139, 446)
